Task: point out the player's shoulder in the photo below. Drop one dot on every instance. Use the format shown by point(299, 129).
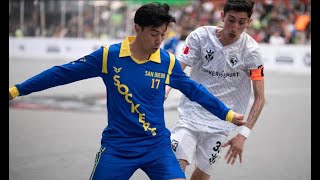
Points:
point(165, 55)
point(249, 42)
point(204, 30)
point(249, 45)
point(112, 47)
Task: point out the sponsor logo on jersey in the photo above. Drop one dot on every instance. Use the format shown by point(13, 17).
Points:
point(221, 73)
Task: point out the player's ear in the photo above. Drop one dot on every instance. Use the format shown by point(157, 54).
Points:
point(137, 28)
point(222, 16)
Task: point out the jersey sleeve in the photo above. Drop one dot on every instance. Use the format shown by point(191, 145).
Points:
point(255, 64)
point(86, 67)
point(198, 93)
point(191, 50)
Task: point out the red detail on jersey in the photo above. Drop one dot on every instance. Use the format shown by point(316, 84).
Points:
point(186, 50)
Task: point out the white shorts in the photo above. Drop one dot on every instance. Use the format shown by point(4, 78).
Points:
point(190, 143)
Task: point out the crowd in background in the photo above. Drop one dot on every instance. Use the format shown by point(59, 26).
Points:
point(274, 21)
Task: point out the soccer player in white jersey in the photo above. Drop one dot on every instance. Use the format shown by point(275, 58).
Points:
point(226, 60)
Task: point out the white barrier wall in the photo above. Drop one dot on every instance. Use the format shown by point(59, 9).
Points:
point(295, 58)
point(44, 48)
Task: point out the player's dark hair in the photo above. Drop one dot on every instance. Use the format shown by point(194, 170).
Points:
point(239, 6)
point(153, 14)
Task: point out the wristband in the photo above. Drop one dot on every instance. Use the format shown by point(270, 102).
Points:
point(244, 131)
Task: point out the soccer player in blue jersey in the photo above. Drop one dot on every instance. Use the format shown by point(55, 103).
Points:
point(135, 73)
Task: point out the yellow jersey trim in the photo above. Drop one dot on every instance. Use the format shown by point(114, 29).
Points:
point(172, 60)
point(105, 59)
point(14, 92)
point(230, 115)
point(125, 51)
point(139, 61)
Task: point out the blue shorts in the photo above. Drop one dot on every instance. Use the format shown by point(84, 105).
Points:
point(159, 164)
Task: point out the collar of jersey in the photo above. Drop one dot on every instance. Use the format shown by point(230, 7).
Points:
point(125, 51)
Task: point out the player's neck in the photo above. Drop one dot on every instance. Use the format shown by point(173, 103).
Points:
point(223, 40)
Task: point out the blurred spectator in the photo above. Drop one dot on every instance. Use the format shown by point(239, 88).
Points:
point(276, 39)
point(18, 33)
point(291, 18)
point(301, 24)
point(171, 40)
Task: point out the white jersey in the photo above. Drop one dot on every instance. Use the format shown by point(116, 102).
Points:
point(223, 70)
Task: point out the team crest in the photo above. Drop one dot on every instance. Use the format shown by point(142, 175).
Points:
point(233, 60)
point(209, 55)
point(174, 145)
point(117, 70)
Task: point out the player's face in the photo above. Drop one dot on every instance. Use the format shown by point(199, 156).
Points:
point(234, 24)
point(152, 37)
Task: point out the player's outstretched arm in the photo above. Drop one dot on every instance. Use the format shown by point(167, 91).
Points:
point(236, 143)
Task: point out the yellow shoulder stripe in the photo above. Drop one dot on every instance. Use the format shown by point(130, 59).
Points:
point(105, 59)
point(172, 60)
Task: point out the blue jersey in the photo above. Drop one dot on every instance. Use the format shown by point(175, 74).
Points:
point(135, 93)
point(171, 42)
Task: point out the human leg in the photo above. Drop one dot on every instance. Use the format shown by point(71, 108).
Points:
point(161, 164)
point(207, 153)
point(183, 163)
point(198, 174)
point(183, 144)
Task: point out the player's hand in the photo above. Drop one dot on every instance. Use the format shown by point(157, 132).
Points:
point(235, 150)
point(238, 119)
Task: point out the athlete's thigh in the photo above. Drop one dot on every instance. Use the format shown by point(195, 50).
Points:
point(162, 164)
point(110, 167)
point(208, 150)
point(183, 143)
